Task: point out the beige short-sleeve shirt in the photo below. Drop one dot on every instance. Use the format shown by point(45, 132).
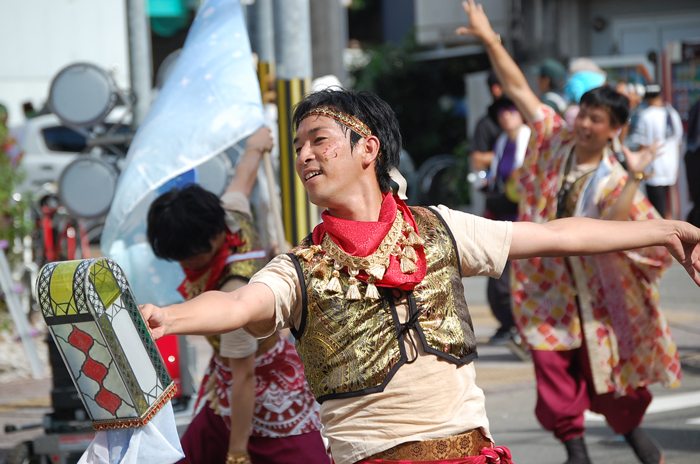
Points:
point(430, 398)
point(238, 344)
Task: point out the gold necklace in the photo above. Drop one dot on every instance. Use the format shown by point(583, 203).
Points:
point(375, 265)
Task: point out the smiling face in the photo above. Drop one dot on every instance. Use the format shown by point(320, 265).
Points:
point(330, 170)
point(593, 128)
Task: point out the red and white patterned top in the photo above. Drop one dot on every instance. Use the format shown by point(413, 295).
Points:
point(628, 339)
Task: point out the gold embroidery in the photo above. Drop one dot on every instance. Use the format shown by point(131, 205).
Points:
point(349, 346)
point(344, 118)
point(375, 265)
point(468, 444)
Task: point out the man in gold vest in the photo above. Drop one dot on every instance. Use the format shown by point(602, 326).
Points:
point(374, 295)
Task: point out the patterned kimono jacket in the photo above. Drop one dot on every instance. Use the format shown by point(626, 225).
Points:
point(611, 299)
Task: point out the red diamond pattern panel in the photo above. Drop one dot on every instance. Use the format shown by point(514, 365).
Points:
point(94, 370)
point(108, 400)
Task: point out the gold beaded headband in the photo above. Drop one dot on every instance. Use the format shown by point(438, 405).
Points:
point(343, 118)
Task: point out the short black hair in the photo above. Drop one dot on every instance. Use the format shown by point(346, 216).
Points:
point(652, 91)
point(501, 104)
point(606, 97)
point(492, 79)
point(371, 110)
point(182, 222)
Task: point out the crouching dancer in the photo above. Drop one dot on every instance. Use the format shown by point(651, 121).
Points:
point(254, 404)
point(374, 296)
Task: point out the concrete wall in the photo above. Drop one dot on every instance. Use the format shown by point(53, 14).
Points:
point(631, 24)
point(40, 37)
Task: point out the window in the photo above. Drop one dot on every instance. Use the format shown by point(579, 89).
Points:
point(60, 138)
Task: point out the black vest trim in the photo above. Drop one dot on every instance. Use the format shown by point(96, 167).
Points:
point(428, 349)
point(302, 283)
point(397, 325)
point(413, 307)
point(402, 349)
point(452, 237)
point(366, 391)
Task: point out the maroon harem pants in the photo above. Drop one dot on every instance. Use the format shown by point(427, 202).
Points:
point(565, 390)
point(206, 441)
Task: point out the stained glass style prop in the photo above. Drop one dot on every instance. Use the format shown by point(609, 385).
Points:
point(92, 316)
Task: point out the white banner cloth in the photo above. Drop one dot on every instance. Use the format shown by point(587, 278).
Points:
point(210, 101)
point(155, 443)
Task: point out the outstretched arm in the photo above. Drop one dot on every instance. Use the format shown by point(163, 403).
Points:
point(212, 312)
point(583, 236)
point(512, 79)
point(247, 168)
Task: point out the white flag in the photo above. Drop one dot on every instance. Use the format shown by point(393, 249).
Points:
point(210, 101)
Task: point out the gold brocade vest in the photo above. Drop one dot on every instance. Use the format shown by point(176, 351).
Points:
point(352, 348)
point(243, 268)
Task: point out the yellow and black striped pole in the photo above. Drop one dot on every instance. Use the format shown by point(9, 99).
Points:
point(299, 215)
point(293, 59)
point(266, 77)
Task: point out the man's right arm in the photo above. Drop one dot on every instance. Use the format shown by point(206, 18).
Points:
point(213, 312)
point(481, 160)
point(512, 79)
point(482, 146)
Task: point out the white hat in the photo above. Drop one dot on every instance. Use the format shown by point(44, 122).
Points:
point(585, 64)
point(326, 82)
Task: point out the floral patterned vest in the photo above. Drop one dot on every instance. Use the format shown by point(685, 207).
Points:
point(352, 348)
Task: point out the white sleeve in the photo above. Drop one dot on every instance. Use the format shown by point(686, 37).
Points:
point(677, 126)
point(236, 201)
point(281, 277)
point(238, 344)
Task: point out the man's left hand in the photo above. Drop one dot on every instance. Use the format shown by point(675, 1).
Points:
point(684, 245)
point(639, 161)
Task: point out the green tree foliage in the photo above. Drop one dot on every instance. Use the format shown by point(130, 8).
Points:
point(12, 207)
point(426, 97)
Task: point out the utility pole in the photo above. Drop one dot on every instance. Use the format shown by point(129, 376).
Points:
point(140, 61)
point(262, 42)
point(293, 54)
point(329, 36)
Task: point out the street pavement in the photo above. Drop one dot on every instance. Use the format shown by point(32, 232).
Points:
point(673, 418)
point(509, 384)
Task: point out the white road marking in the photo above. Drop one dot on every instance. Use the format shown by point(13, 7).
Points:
point(661, 404)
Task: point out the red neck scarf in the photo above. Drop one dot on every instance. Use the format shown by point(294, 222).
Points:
point(195, 283)
point(358, 238)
